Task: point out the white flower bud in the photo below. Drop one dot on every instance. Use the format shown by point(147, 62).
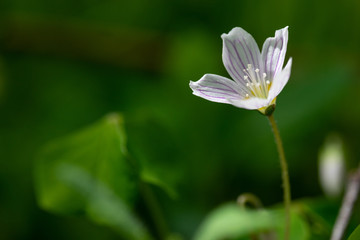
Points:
point(332, 166)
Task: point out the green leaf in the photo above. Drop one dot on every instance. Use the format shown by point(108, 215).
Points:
point(151, 178)
point(89, 172)
point(160, 159)
point(355, 235)
point(299, 229)
point(321, 213)
point(231, 221)
point(102, 205)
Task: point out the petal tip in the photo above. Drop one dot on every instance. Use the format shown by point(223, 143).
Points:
point(289, 61)
point(282, 31)
point(235, 32)
point(192, 85)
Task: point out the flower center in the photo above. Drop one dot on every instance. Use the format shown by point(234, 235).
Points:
point(256, 83)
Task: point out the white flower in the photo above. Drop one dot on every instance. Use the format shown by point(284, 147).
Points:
point(258, 77)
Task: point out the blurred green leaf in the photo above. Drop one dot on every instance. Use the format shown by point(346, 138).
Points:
point(355, 235)
point(321, 214)
point(231, 221)
point(151, 178)
point(151, 143)
point(89, 172)
point(102, 205)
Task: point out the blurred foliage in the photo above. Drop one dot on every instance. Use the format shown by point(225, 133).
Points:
point(355, 234)
point(90, 172)
point(233, 222)
point(66, 64)
point(99, 150)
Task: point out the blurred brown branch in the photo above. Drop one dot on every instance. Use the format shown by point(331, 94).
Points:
point(134, 48)
point(351, 195)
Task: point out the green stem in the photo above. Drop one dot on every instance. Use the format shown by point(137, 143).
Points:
point(153, 207)
point(154, 210)
point(285, 175)
point(249, 198)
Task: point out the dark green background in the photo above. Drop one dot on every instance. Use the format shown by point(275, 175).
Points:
point(65, 64)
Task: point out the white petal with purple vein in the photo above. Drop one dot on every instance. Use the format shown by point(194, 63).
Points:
point(251, 104)
point(280, 80)
point(216, 88)
point(239, 50)
point(273, 52)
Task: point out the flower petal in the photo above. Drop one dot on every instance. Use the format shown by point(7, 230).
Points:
point(273, 52)
point(216, 88)
point(251, 104)
point(280, 81)
point(239, 50)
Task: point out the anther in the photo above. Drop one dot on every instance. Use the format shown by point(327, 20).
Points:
point(248, 84)
point(257, 70)
point(245, 77)
point(247, 95)
point(249, 66)
point(267, 82)
point(264, 75)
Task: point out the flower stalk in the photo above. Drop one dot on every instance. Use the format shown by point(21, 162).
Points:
point(155, 211)
point(284, 174)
